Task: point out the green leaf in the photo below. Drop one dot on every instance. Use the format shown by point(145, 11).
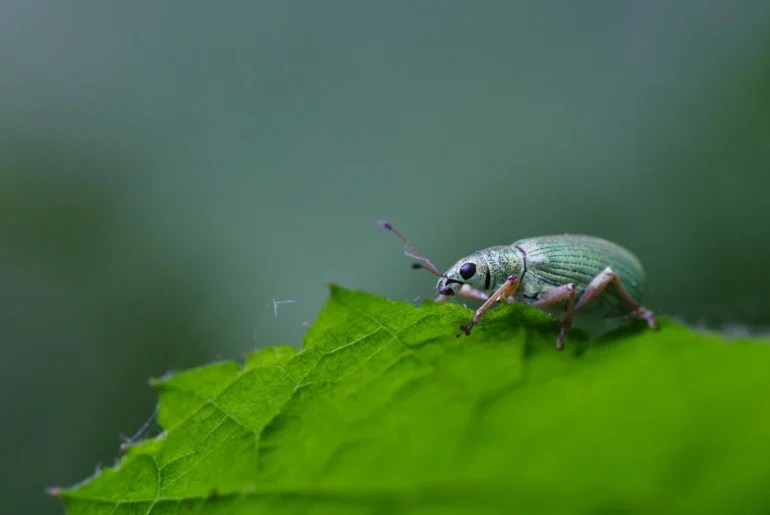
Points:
point(386, 411)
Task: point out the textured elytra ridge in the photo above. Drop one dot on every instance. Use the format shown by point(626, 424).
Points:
point(386, 411)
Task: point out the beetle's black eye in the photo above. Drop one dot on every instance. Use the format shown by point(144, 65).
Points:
point(467, 270)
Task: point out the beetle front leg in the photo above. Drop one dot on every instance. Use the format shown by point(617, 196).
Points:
point(555, 296)
point(599, 283)
point(506, 290)
point(466, 291)
point(472, 293)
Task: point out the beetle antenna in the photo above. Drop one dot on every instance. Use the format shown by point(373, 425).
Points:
point(411, 252)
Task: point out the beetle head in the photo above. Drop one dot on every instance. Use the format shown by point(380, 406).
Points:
point(471, 270)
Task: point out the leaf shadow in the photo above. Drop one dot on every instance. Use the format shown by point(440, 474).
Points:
point(622, 332)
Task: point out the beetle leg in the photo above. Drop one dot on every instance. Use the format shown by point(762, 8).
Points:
point(506, 290)
point(555, 296)
point(473, 293)
point(599, 283)
point(465, 291)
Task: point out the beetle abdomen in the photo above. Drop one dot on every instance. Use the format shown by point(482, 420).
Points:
point(552, 261)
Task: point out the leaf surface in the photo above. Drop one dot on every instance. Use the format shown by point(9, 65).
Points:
point(385, 411)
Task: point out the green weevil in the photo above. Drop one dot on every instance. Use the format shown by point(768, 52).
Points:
point(565, 271)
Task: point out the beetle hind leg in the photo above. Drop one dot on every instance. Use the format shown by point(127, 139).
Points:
point(599, 283)
point(649, 316)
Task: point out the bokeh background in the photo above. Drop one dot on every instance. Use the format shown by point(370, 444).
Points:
point(168, 169)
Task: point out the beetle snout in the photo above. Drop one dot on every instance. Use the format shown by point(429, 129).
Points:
point(443, 289)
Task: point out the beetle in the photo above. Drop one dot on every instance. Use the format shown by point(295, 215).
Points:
point(574, 272)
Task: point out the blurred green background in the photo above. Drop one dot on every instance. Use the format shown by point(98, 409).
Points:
point(167, 169)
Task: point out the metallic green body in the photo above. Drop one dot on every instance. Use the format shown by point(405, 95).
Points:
point(546, 262)
point(565, 272)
